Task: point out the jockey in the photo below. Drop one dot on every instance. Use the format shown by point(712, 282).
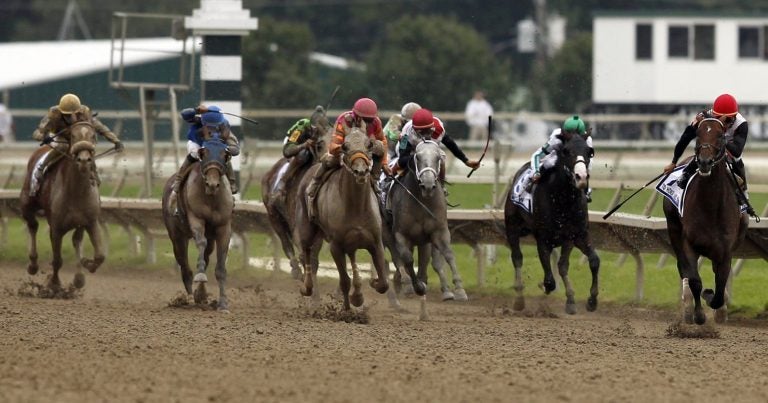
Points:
point(52, 131)
point(364, 115)
point(726, 110)
point(426, 126)
point(204, 122)
point(297, 148)
point(546, 156)
point(394, 127)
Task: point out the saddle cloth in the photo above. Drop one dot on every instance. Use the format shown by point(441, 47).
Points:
point(667, 186)
point(519, 196)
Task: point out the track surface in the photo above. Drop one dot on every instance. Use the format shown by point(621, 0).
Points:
point(121, 341)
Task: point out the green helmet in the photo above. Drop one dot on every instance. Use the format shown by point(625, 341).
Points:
point(575, 124)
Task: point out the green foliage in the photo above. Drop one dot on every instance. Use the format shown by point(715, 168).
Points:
point(568, 76)
point(435, 61)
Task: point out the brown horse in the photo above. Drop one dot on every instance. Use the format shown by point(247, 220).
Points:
point(282, 222)
point(347, 217)
point(711, 225)
point(206, 204)
point(69, 199)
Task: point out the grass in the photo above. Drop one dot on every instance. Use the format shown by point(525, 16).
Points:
point(617, 275)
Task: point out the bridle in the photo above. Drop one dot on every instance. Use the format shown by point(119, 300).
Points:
point(420, 171)
point(720, 147)
point(350, 158)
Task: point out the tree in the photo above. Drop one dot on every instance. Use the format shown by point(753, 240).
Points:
point(568, 75)
point(435, 61)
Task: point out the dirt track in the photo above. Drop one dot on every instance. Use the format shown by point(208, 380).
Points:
point(122, 342)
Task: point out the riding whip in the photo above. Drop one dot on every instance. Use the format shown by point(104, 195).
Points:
point(414, 196)
point(613, 210)
point(237, 116)
point(485, 150)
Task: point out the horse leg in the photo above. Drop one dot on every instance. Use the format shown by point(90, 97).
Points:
point(594, 268)
point(56, 241)
point(405, 254)
point(223, 235)
point(32, 225)
point(437, 266)
point(443, 245)
point(689, 270)
point(94, 233)
point(198, 234)
point(562, 268)
point(513, 240)
point(77, 244)
point(180, 251)
point(425, 252)
point(545, 251)
point(341, 265)
point(381, 283)
point(716, 299)
point(357, 283)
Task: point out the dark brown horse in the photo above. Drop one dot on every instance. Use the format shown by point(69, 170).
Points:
point(69, 199)
point(559, 218)
point(711, 225)
point(282, 222)
point(347, 217)
point(205, 203)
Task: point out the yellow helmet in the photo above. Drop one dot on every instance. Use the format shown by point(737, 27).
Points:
point(69, 104)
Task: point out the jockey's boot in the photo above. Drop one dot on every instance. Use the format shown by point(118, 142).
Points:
point(441, 177)
point(740, 172)
point(230, 172)
point(37, 174)
point(686, 175)
point(174, 196)
point(313, 187)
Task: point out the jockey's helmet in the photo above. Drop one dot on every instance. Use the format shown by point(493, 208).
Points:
point(575, 124)
point(213, 117)
point(409, 109)
point(69, 104)
point(725, 105)
point(365, 108)
point(423, 119)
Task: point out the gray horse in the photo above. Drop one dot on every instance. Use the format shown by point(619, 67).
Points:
point(206, 206)
point(347, 216)
point(420, 218)
point(69, 199)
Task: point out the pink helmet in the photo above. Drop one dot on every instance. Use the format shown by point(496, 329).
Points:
point(725, 105)
point(365, 108)
point(423, 119)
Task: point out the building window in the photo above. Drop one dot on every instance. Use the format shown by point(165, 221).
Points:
point(704, 42)
point(678, 41)
point(749, 42)
point(644, 42)
point(698, 42)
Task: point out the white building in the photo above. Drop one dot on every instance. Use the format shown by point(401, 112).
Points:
point(661, 61)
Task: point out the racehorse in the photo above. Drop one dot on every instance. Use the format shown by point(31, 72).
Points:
point(711, 225)
point(205, 206)
point(347, 216)
point(282, 222)
point(420, 218)
point(69, 199)
point(559, 218)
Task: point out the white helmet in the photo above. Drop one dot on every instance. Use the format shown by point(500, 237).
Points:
point(409, 109)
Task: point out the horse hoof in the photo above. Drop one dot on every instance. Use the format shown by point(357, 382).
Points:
point(721, 315)
point(408, 290)
point(380, 285)
point(420, 288)
point(79, 281)
point(699, 318)
point(548, 286)
point(201, 278)
point(89, 265)
point(461, 295)
point(356, 300)
point(592, 304)
point(200, 295)
point(519, 304)
point(32, 269)
point(305, 291)
point(448, 295)
point(570, 308)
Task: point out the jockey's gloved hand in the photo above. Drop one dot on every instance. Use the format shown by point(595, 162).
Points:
point(387, 170)
point(536, 177)
point(669, 168)
point(119, 147)
point(472, 164)
point(47, 140)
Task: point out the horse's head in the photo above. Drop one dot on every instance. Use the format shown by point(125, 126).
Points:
point(575, 156)
point(426, 166)
point(356, 152)
point(213, 162)
point(82, 144)
point(710, 144)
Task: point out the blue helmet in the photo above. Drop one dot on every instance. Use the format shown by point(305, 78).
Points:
point(213, 117)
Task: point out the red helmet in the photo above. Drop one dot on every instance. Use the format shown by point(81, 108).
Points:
point(423, 119)
point(725, 105)
point(366, 108)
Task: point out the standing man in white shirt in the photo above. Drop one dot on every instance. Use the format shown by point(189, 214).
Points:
point(476, 114)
